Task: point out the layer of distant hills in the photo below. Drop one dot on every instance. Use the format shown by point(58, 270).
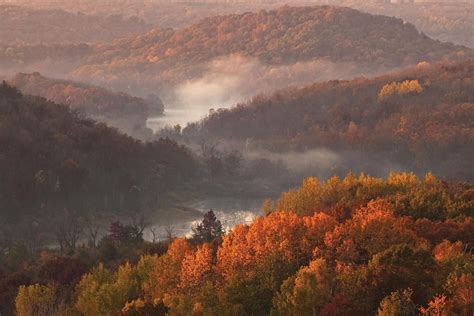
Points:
point(163, 58)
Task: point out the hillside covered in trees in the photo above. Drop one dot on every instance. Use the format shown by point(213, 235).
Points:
point(289, 34)
point(353, 246)
point(23, 25)
point(120, 110)
point(282, 36)
point(55, 163)
point(363, 121)
point(419, 119)
point(161, 14)
point(164, 57)
point(444, 21)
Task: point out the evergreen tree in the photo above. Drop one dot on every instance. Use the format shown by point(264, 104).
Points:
point(209, 229)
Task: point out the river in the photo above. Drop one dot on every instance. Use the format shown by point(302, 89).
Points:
point(172, 117)
point(230, 211)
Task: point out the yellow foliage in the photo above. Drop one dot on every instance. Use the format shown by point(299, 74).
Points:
point(133, 305)
point(401, 88)
point(302, 201)
point(102, 292)
point(36, 300)
point(407, 193)
point(402, 179)
point(388, 89)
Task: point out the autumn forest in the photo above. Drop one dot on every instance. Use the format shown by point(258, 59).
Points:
point(199, 157)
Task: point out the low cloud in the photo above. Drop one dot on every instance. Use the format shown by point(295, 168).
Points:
point(317, 160)
point(229, 80)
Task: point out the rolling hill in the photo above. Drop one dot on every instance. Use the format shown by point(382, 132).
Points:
point(419, 118)
point(163, 58)
point(52, 160)
point(118, 109)
point(276, 37)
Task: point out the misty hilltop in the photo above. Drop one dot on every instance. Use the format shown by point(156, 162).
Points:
point(289, 34)
point(236, 157)
point(283, 36)
point(363, 42)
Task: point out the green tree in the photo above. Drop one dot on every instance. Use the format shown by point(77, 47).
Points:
point(307, 292)
point(398, 303)
point(402, 266)
point(209, 229)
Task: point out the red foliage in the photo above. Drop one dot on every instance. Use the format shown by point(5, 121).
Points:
point(62, 270)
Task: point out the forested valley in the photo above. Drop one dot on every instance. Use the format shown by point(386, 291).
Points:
point(236, 158)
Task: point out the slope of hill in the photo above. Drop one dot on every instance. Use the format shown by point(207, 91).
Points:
point(447, 22)
point(52, 160)
point(161, 14)
point(424, 112)
point(282, 36)
point(117, 109)
point(288, 35)
point(21, 25)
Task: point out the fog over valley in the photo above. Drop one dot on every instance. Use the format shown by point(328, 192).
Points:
point(236, 157)
point(233, 79)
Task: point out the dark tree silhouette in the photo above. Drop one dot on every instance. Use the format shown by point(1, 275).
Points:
point(209, 229)
point(122, 234)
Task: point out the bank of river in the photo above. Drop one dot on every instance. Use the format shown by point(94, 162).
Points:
point(230, 211)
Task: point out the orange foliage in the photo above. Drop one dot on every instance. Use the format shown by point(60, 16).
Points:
point(284, 233)
point(197, 268)
point(436, 307)
point(446, 250)
point(372, 229)
point(317, 227)
point(165, 276)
